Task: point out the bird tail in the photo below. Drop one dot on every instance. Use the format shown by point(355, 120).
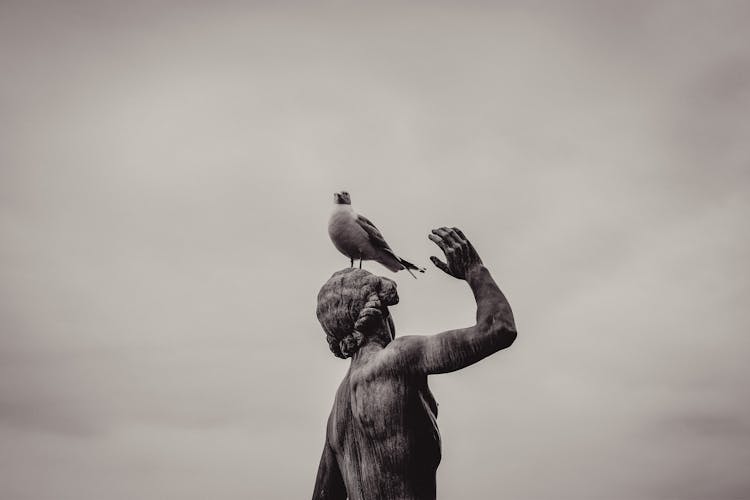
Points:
point(409, 266)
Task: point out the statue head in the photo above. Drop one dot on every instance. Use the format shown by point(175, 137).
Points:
point(353, 309)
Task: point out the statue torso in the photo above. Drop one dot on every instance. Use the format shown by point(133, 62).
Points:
point(384, 433)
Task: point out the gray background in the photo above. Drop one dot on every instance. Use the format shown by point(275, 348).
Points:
point(167, 174)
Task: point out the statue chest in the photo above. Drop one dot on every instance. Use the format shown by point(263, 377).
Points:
point(400, 417)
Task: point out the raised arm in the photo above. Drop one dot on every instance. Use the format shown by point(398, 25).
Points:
point(494, 330)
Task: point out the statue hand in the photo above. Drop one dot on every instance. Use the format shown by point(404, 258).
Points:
point(459, 252)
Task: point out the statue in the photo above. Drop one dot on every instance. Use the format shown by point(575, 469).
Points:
point(382, 440)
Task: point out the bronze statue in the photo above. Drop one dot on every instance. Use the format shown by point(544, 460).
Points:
point(382, 440)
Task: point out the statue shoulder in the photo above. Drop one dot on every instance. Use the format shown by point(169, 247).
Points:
point(399, 356)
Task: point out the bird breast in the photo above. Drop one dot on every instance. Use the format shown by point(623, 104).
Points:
point(346, 234)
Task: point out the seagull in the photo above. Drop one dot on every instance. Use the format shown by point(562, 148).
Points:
point(358, 238)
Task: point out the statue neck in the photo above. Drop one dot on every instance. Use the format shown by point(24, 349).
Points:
point(374, 344)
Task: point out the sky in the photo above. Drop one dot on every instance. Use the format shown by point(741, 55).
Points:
point(166, 175)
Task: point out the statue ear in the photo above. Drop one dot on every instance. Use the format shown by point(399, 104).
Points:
point(351, 343)
point(335, 346)
point(348, 346)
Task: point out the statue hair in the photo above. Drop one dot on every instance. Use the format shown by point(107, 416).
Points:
point(350, 305)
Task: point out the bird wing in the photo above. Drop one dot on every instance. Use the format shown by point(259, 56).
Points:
point(373, 233)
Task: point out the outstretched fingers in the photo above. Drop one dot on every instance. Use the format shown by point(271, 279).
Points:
point(437, 238)
point(460, 235)
point(447, 235)
point(470, 250)
point(438, 241)
point(451, 238)
point(464, 242)
point(440, 264)
point(445, 245)
point(459, 250)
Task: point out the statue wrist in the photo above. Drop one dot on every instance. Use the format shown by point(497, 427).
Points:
point(475, 272)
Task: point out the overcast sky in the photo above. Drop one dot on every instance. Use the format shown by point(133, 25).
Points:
point(167, 172)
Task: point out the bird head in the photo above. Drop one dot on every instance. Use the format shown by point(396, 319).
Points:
point(342, 198)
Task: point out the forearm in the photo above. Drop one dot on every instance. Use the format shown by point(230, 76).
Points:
point(493, 309)
point(495, 328)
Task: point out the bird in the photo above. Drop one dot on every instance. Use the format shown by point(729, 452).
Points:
point(358, 238)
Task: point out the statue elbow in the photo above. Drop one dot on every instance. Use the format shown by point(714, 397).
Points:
point(507, 337)
point(503, 333)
